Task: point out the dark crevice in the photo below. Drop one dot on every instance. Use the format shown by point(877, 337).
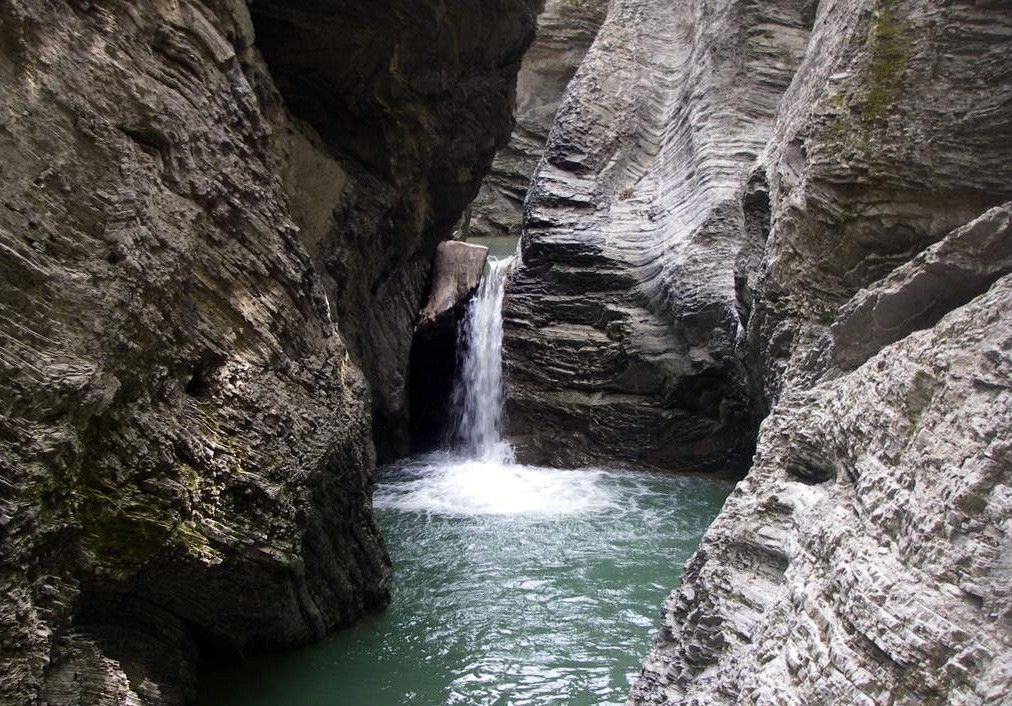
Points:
point(432, 371)
point(203, 371)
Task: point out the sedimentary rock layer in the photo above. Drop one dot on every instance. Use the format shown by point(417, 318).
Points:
point(622, 320)
point(566, 29)
point(185, 448)
point(865, 558)
point(895, 131)
point(421, 98)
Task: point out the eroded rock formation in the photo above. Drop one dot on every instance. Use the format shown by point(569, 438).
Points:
point(865, 558)
point(456, 272)
point(566, 29)
point(792, 209)
point(185, 440)
point(622, 321)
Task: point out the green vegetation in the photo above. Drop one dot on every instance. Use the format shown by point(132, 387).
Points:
point(888, 41)
point(869, 103)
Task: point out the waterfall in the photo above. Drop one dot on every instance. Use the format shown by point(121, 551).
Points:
point(477, 394)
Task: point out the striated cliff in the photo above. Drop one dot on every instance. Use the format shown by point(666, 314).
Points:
point(566, 29)
point(795, 211)
point(192, 198)
point(622, 321)
point(865, 557)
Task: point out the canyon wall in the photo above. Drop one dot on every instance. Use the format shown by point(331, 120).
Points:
point(566, 29)
point(622, 321)
point(794, 212)
point(422, 98)
point(865, 558)
point(185, 430)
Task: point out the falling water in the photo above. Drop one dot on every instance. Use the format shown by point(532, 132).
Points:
point(477, 394)
point(515, 584)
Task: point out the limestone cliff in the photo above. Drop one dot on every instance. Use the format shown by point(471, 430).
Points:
point(791, 210)
point(566, 29)
point(865, 558)
point(622, 321)
point(185, 437)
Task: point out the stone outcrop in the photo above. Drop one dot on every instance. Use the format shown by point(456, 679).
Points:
point(877, 154)
point(622, 321)
point(865, 557)
point(456, 273)
point(566, 29)
point(917, 294)
point(185, 436)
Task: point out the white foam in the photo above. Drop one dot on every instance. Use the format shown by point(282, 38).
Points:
point(444, 485)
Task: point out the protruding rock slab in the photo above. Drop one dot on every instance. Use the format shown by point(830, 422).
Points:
point(456, 273)
point(915, 295)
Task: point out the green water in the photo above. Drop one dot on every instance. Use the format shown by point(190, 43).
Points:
point(513, 586)
point(497, 246)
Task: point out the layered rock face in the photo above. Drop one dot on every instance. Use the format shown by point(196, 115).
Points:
point(185, 448)
point(566, 29)
point(622, 321)
point(865, 558)
point(422, 98)
point(894, 132)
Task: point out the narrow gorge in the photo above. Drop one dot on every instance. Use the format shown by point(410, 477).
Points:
point(419, 352)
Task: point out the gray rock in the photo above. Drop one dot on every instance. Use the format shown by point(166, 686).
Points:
point(918, 293)
point(893, 133)
point(185, 438)
point(865, 557)
point(622, 321)
point(456, 273)
point(566, 29)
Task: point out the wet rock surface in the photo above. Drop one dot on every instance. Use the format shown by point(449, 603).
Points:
point(456, 273)
point(185, 440)
point(865, 557)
